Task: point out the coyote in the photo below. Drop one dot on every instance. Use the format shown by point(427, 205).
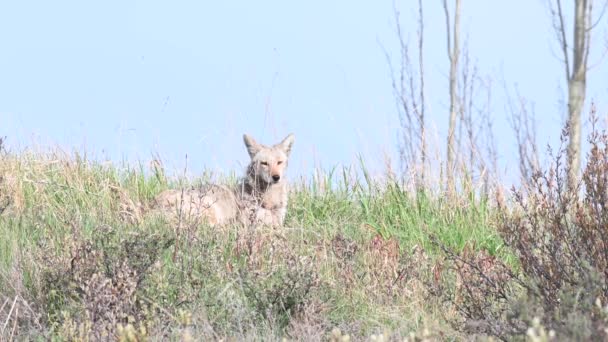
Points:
point(259, 198)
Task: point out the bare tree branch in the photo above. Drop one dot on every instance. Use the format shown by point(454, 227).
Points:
point(408, 89)
point(599, 18)
point(559, 27)
point(523, 124)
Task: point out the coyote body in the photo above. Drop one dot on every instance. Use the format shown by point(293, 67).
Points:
point(259, 198)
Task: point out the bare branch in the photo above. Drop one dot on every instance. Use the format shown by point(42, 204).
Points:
point(599, 18)
point(408, 90)
point(523, 124)
point(591, 25)
point(559, 26)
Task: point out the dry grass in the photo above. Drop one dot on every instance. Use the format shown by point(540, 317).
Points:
point(81, 260)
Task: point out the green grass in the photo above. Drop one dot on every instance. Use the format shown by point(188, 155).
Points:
point(68, 240)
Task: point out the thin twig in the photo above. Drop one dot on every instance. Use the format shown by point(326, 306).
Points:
point(8, 317)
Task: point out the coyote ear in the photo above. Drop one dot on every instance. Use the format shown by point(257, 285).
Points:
point(252, 146)
point(287, 143)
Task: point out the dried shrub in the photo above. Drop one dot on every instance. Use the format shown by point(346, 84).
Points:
point(559, 234)
point(345, 251)
point(277, 281)
point(310, 323)
point(385, 264)
point(384, 255)
point(344, 248)
point(560, 238)
point(18, 319)
point(484, 289)
point(93, 294)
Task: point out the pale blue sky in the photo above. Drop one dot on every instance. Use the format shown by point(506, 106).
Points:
point(132, 77)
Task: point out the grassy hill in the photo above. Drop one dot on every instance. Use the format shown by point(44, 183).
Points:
point(81, 258)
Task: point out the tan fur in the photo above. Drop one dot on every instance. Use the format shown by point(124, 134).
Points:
point(259, 198)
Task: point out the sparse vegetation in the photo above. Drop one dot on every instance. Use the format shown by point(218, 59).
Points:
point(80, 260)
point(557, 290)
point(359, 259)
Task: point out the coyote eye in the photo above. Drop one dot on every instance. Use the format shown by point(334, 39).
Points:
point(279, 162)
point(264, 163)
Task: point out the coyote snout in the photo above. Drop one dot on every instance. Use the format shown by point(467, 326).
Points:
point(260, 197)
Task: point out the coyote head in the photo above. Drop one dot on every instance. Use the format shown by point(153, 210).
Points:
point(268, 163)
